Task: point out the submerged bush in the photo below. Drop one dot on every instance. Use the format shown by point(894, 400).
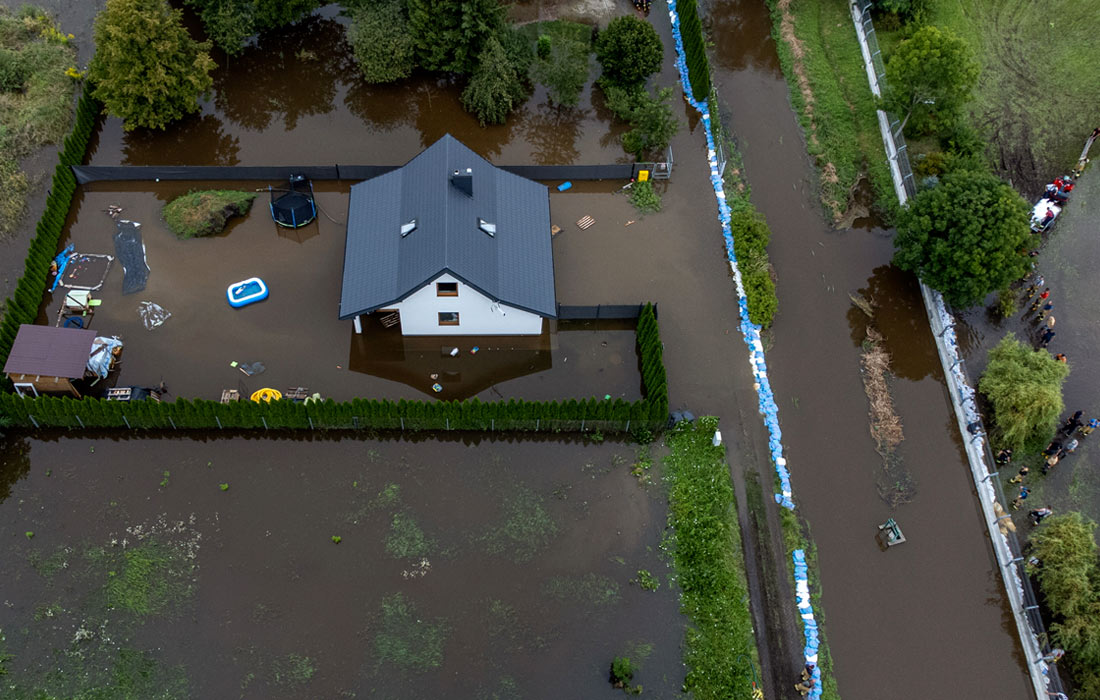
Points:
point(206, 212)
point(1024, 387)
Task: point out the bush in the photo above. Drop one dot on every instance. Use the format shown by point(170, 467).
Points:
point(644, 198)
point(695, 54)
point(563, 70)
point(1024, 387)
point(13, 71)
point(652, 117)
point(379, 36)
point(543, 51)
point(750, 244)
point(206, 212)
point(629, 51)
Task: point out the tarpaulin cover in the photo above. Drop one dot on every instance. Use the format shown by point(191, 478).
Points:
point(131, 253)
point(99, 361)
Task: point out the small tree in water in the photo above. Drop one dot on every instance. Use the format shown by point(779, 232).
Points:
point(1024, 387)
point(495, 88)
point(146, 67)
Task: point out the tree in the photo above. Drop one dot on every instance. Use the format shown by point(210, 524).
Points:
point(654, 124)
point(629, 51)
point(379, 36)
point(229, 23)
point(450, 35)
point(495, 88)
point(966, 237)
point(563, 71)
point(1024, 387)
point(146, 68)
point(928, 79)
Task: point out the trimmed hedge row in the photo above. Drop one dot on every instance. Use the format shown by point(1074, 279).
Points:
point(570, 415)
point(695, 52)
point(22, 306)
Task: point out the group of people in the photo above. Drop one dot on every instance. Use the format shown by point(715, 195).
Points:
point(1043, 306)
point(1058, 191)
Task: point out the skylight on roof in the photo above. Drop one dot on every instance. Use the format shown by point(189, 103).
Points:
point(488, 228)
point(408, 228)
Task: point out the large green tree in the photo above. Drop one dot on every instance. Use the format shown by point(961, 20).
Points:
point(495, 88)
point(1024, 387)
point(564, 69)
point(1069, 578)
point(929, 77)
point(450, 34)
point(229, 23)
point(379, 35)
point(629, 51)
point(966, 237)
point(147, 69)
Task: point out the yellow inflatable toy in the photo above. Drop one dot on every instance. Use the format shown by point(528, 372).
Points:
point(268, 395)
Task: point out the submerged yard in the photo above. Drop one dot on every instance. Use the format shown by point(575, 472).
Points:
point(172, 568)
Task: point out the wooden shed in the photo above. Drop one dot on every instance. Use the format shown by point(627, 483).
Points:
point(48, 359)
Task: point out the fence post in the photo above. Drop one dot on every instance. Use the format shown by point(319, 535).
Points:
point(173, 423)
point(355, 422)
point(492, 424)
point(627, 428)
point(310, 419)
point(582, 425)
point(127, 422)
point(264, 420)
point(402, 419)
point(33, 420)
point(218, 421)
point(80, 421)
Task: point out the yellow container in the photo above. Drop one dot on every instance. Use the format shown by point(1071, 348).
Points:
point(643, 175)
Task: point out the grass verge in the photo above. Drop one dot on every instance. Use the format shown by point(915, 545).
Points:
point(36, 99)
point(749, 229)
point(205, 212)
point(821, 59)
point(706, 551)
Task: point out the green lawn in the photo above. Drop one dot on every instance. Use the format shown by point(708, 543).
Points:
point(36, 99)
point(841, 126)
point(1037, 95)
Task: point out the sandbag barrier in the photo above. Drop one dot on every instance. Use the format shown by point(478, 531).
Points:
point(749, 330)
point(806, 610)
point(751, 334)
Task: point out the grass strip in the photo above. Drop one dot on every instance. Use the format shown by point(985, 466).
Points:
point(705, 544)
point(821, 59)
point(205, 212)
point(36, 97)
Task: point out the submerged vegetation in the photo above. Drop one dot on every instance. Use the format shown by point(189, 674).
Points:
point(35, 99)
point(205, 212)
point(405, 639)
point(706, 553)
point(406, 539)
point(526, 526)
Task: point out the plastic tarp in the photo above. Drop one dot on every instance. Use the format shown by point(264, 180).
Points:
point(152, 315)
point(99, 360)
point(130, 250)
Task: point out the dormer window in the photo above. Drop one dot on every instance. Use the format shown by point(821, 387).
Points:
point(408, 228)
point(486, 227)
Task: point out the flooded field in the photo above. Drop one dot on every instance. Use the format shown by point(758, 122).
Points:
point(207, 568)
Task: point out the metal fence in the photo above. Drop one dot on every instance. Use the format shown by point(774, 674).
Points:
point(607, 312)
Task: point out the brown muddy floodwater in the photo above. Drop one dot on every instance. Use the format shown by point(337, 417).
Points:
point(466, 568)
point(933, 608)
point(295, 333)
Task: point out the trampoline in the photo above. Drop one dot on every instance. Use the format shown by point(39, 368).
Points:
point(293, 207)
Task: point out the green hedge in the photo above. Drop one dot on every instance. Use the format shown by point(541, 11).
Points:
point(22, 306)
point(695, 52)
point(570, 415)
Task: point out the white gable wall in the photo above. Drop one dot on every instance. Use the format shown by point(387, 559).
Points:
point(477, 313)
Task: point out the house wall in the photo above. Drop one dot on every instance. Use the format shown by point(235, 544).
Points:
point(477, 314)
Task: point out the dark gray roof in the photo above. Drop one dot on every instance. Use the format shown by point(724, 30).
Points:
point(50, 352)
point(381, 267)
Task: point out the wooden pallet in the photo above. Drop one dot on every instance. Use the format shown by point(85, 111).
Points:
point(585, 222)
point(121, 393)
point(230, 395)
point(298, 393)
point(390, 320)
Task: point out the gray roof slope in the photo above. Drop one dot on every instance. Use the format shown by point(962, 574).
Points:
point(50, 352)
point(382, 268)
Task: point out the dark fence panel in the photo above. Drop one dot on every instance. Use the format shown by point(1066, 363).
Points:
point(610, 312)
point(97, 173)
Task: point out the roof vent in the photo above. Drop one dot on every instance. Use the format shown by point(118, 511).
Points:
point(464, 181)
point(408, 228)
point(486, 227)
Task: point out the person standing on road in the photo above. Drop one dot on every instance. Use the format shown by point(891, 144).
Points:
point(1045, 309)
point(1046, 337)
point(1072, 423)
point(1004, 456)
point(1071, 446)
point(1019, 478)
point(1035, 285)
point(1019, 500)
point(1038, 514)
point(805, 686)
point(1093, 424)
point(1044, 297)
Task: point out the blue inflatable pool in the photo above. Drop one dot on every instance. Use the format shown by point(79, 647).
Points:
point(246, 292)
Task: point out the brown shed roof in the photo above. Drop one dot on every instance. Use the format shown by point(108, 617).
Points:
point(50, 352)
